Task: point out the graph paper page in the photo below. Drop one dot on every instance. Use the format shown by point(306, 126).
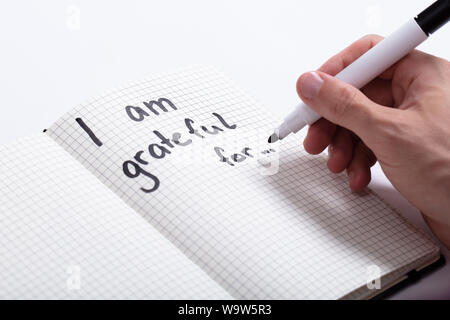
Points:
point(210, 183)
point(64, 235)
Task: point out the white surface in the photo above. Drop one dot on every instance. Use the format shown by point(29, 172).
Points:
point(50, 63)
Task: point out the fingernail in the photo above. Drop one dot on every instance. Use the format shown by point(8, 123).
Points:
point(330, 150)
point(310, 85)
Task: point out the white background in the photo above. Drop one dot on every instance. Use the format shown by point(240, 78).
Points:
point(56, 54)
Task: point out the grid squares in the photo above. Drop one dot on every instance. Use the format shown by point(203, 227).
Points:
point(55, 214)
point(298, 234)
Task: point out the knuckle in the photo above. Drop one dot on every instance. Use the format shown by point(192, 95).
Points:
point(441, 64)
point(372, 38)
point(346, 99)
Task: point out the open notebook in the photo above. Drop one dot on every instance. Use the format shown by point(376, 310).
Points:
point(166, 188)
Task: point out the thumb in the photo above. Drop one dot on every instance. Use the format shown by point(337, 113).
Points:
point(338, 102)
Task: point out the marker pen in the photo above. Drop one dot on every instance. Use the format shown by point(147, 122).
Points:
point(374, 62)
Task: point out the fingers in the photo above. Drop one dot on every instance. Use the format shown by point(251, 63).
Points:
point(359, 168)
point(345, 110)
point(340, 151)
point(346, 151)
point(339, 102)
point(344, 58)
point(319, 136)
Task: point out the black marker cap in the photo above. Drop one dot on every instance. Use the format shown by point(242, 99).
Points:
point(434, 17)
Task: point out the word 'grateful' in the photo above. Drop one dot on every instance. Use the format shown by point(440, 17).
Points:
point(134, 168)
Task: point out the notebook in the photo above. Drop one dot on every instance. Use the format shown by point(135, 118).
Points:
point(167, 189)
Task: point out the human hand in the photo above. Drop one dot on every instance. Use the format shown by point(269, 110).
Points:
point(401, 119)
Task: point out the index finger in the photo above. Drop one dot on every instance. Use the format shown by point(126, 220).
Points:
point(344, 58)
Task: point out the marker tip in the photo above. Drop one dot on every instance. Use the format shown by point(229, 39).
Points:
point(273, 138)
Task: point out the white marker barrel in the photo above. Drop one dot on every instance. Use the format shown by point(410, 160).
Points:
point(363, 70)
